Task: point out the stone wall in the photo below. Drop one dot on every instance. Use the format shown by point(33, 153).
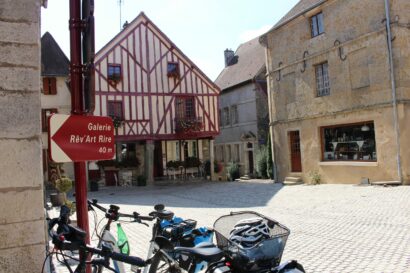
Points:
point(22, 233)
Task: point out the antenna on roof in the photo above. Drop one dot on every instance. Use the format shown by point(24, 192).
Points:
point(120, 3)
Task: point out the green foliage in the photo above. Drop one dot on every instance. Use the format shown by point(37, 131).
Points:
point(207, 167)
point(63, 184)
point(261, 162)
point(174, 164)
point(315, 177)
point(141, 180)
point(233, 171)
point(191, 162)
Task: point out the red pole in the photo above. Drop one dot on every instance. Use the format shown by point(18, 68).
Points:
point(77, 108)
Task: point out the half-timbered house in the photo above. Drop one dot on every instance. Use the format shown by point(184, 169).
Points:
point(165, 109)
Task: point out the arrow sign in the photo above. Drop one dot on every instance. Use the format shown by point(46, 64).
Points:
point(80, 138)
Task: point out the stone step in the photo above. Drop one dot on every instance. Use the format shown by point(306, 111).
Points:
point(245, 177)
point(292, 180)
point(386, 183)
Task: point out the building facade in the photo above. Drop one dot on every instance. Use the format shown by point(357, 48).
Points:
point(55, 97)
point(243, 108)
point(334, 107)
point(22, 232)
point(164, 106)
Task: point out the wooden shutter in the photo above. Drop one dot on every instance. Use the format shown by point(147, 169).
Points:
point(46, 87)
point(49, 86)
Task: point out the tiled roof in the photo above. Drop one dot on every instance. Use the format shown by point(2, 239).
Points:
point(251, 59)
point(300, 8)
point(53, 60)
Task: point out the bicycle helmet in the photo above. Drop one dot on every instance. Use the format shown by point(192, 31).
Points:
point(249, 232)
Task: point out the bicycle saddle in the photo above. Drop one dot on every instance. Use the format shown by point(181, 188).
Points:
point(205, 251)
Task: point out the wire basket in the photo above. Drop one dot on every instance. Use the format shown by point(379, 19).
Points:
point(263, 255)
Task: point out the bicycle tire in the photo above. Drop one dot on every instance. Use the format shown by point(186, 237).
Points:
point(159, 264)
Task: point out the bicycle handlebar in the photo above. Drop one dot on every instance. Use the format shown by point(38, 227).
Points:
point(77, 242)
point(135, 215)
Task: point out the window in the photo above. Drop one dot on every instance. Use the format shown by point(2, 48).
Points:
point(236, 157)
point(178, 157)
point(185, 108)
point(228, 153)
point(194, 151)
point(316, 24)
point(173, 70)
point(49, 86)
point(115, 109)
point(322, 80)
point(114, 73)
point(351, 142)
point(220, 117)
point(45, 113)
point(226, 118)
point(220, 153)
point(234, 114)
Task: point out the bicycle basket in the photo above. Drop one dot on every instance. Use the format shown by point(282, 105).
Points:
point(263, 255)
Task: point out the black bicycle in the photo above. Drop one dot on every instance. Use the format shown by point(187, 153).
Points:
point(70, 238)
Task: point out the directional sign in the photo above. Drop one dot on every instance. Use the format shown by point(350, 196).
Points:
point(80, 138)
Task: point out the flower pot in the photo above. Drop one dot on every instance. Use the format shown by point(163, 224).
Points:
point(57, 199)
point(93, 186)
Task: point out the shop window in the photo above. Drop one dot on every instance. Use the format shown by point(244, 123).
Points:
point(45, 113)
point(352, 142)
point(322, 80)
point(173, 70)
point(114, 73)
point(115, 109)
point(194, 147)
point(316, 24)
point(49, 86)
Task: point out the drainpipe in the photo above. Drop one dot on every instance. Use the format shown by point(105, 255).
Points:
point(263, 40)
point(393, 88)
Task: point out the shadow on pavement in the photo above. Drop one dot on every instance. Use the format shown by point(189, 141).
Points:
point(209, 194)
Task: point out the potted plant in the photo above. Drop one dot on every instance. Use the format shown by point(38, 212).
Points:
point(62, 184)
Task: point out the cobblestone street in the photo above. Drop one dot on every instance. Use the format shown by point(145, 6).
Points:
point(334, 228)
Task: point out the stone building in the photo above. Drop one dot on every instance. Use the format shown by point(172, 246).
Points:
point(243, 107)
point(55, 96)
point(334, 107)
point(22, 236)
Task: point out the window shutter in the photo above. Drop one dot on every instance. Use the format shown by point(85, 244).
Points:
point(53, 86)
point(46, 87)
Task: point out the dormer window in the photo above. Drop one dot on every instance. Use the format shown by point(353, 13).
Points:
point(316, 24)
point(114, 73)
point(173, 70)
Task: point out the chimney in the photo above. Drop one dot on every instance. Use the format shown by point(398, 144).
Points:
point(229, 55)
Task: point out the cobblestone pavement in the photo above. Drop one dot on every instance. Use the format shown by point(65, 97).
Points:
point(334, 228)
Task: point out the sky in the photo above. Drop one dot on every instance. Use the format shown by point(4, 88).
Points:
point(201, 29)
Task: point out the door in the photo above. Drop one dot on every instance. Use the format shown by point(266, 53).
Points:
point(158, 168)
point(295, 157)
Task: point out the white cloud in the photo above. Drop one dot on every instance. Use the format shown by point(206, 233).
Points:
point(253, 33)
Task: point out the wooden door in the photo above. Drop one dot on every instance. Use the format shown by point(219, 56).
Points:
point(158, 168)
point(295, 157)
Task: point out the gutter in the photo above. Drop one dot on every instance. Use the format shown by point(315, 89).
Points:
point(393, 89)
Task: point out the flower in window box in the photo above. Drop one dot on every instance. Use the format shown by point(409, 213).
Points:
point(117, 121)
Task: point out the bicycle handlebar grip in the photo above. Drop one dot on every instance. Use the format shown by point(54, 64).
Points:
point(128, 259)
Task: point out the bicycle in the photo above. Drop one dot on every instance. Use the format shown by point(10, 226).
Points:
point(112, 214)
point(70, 238)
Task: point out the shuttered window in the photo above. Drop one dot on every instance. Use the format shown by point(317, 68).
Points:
point(49, 86)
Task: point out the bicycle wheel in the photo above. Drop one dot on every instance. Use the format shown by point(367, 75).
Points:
point(160, 264)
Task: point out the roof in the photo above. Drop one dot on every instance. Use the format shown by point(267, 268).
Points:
point(142, 16)
point(299, 9)
point(251, 59)
point(53, 60)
